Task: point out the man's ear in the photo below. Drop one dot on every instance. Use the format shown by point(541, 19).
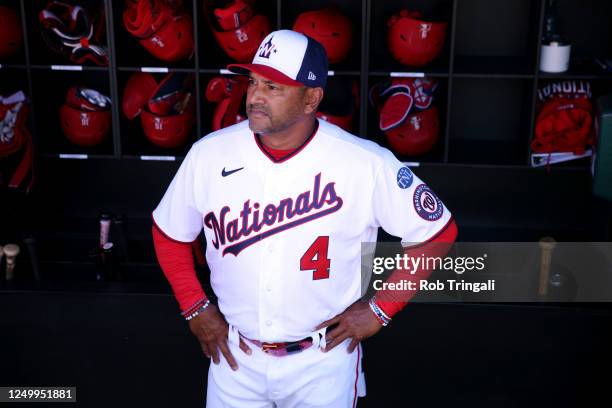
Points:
point(312, 99)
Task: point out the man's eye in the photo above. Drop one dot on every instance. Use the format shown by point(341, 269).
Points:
point(272, 87)
point(251, 81)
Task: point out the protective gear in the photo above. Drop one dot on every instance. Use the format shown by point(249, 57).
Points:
point(167, 109)
point(11, 37)
point(84, 128)
point(329, 27)
point(15, 137)
point(163, 28)
point(70, 30)
point(138, 90)
point(341, 102)
point(229, 94)
point(413, 41)
point(241, 43)
point(85, 117)
point(168, 131)
point(417, 134)
point(564, 121)
point(410, 123)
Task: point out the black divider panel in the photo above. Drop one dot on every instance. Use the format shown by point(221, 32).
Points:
point(496, 37)
point(489, 120)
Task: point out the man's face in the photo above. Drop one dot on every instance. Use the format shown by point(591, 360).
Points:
point(273, 107)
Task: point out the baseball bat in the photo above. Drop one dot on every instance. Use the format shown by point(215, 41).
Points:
point(105, 222)
point(11, 251)
point(31, 244)
point(547, 245)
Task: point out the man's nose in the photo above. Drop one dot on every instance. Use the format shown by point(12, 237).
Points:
point(254, 94)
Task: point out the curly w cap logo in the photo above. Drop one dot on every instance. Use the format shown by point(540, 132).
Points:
point(266, 49)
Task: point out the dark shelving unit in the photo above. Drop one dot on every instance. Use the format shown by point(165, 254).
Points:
point(487, 72)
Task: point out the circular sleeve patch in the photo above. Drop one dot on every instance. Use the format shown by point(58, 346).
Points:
point(404, 178)
point(427, 204)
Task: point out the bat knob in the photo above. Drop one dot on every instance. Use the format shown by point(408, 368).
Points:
point(548, 243)
point(11, 251)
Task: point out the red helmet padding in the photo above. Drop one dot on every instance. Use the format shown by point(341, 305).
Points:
point(173, 41)
point(84, 128)
point(564, 125)
point(11, 37)
point(242, 43)
point(331, 28)
point(234, 15)
point(138, 91)
point(414, 42)
point(417, 134)
point(168, 131)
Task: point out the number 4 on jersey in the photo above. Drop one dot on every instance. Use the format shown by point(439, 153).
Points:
point(315, 258)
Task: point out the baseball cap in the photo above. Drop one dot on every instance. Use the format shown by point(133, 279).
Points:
point(289, 58)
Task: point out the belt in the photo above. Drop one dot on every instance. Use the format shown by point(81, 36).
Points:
point(283, 348)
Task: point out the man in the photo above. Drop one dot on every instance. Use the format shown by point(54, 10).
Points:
point(285, 201)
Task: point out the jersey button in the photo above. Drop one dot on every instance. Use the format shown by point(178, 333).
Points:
point(268, 322)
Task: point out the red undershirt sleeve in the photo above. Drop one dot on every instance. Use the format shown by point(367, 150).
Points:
point(176, 261)
point(392, 301)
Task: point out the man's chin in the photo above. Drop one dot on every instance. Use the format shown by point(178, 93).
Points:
point(257, 127)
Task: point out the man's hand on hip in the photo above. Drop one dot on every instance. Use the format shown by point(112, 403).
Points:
point(211, 329)
point(356, 322)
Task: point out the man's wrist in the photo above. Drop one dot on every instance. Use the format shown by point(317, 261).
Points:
point(381, 316)
point(195, 306)
point(197, 311)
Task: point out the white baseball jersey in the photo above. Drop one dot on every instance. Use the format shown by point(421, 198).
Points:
point(284, 238)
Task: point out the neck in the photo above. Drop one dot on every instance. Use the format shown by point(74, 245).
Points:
point(292, 137)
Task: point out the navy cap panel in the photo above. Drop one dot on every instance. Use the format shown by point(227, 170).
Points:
point(313, 72)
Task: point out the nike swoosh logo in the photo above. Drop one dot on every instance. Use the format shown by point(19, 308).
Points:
point(225, 173)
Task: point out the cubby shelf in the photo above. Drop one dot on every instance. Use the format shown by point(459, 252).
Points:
point(488, 69)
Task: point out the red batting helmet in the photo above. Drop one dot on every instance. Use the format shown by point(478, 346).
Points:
point(417, 134)
point(10, 32)
point(241, 43)
point(410, 123)
point(168, 131)
point(329, 27)
point(173, 42)
point(138, 90)
point(229, 95)
point(84, 128)
point(413, 41)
